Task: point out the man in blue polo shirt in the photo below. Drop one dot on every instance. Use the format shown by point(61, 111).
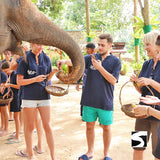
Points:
point(97, 96)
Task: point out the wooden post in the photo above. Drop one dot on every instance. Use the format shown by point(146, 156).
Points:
point(137, 46)
point(87, 17)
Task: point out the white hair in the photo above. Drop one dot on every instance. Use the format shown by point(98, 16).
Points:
point(151, 37)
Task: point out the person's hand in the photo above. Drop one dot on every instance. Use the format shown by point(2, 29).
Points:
point(40, 78)
point(2, 88)
point(54, 70)
point(133, 78)
point(60, 63)
point(150, 100)
point(77, 87)
point(144, 81)
point(141, 110)
point(96, 63)
point(50, 75)
point(7, 85)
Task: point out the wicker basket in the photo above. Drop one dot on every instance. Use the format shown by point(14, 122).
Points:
point(56, 91)
point(7, 98)
point(128, 108)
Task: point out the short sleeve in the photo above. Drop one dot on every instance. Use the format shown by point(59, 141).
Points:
point(4, 77)
point(116, 69)
point(22, 68)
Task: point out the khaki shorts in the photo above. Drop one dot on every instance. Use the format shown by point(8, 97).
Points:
point(35, 103)
point(151, 127)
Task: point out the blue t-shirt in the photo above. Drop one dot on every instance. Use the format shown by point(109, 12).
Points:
point(4, 60)
point(3, 79)
point(29, 69)
point(13, 80)
point(98, 92)
point(146, 72)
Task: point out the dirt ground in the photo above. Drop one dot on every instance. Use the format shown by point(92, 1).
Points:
point(69, 130)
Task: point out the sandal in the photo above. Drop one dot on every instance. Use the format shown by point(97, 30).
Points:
point(36, 149)
point(21, 154)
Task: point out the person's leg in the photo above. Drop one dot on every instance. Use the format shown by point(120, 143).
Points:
point(90, 135)
point(10, 113)
point(29, 118)
point(2, 121)
point(89, 116)
point(157, 150)
point(21, 121)
point(39, 128)
point(45, 116)
point(141, 125)
point(4, 112)
point(106, 119)
point(106, 138)
point(17, 125)
point(155, 129)
point(138, 154)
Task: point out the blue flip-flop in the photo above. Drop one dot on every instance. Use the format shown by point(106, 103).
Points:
point(85, 157)
point(107, 158)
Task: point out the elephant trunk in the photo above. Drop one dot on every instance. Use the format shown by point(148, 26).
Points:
point(35, 27)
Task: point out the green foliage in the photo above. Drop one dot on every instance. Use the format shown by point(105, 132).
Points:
point(34, 1)
point(54, 60)
point(140, 24)
point(137, 66)
point(65, 68)
point(52, 8)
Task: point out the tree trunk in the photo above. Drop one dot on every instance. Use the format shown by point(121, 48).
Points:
point(87, 17)
point(136, 46)
point(145, 11)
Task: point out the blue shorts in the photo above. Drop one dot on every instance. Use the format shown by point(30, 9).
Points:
point(91, 114)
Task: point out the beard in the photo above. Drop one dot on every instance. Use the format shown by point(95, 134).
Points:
point(104, 53)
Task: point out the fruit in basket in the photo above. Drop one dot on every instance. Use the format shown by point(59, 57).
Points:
point(133, 105)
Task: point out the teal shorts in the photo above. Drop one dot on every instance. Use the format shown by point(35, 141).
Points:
point(90, 114)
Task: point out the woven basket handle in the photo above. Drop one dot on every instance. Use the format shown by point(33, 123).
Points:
point(7, 94)
point(123, 87)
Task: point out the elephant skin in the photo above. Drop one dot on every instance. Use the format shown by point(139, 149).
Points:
point(20, 20)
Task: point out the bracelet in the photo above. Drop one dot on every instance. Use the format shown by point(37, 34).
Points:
point(148, 111)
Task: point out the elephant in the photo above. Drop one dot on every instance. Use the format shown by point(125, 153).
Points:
point(20, 20)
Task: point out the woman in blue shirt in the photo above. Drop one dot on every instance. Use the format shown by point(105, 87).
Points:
point(32, 74)
point(3, 107)
point(149, 75)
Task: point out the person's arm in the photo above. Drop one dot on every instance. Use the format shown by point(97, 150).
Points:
point(154, 112)
point(109, 77)
point(147, 81)
point(23, 82)
point(12, 85)
point(52, 73)
point(141, 110)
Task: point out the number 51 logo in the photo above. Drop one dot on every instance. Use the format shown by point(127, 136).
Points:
point(139, 139)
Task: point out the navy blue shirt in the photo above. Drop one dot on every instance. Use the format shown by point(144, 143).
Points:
point(29, 69)
point(4, 60)
point(13, 80)
point(3, 79)
point(146, 72)
point(98, 92)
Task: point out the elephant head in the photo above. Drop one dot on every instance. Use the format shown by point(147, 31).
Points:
point(20, 20)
